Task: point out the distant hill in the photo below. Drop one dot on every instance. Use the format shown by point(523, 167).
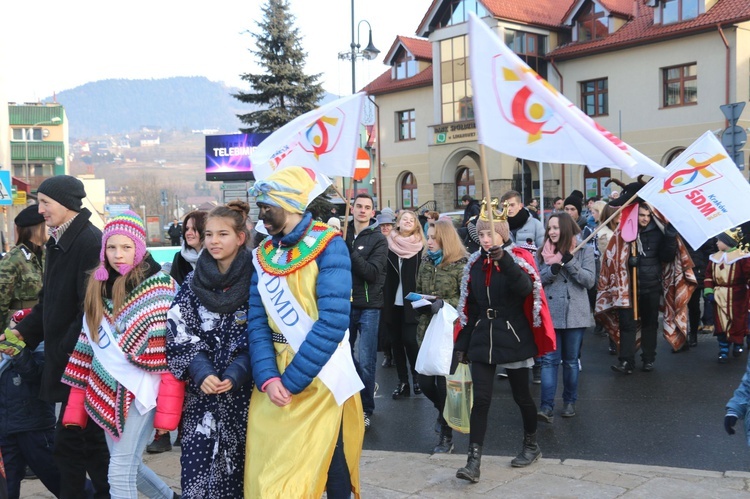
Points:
point(181, 103)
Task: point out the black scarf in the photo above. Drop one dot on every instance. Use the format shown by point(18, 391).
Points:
point(515, 223)
point(223, 293)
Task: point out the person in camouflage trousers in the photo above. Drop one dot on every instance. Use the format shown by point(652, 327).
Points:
point(21, 268)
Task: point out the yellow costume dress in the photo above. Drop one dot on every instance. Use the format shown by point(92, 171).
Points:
point(289, 449)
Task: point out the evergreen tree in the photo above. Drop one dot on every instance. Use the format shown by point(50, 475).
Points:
point(284, 89)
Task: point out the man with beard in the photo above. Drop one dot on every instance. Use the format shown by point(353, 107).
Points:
point(522, 225)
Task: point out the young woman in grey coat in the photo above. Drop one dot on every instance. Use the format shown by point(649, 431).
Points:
point(566, 278)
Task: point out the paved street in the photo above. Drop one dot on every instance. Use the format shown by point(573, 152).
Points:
point(653, 434)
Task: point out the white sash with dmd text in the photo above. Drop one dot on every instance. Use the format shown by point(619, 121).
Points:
point(338, 374)
point(144, 385)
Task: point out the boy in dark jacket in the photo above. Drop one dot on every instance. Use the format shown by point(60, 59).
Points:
point(27, 424)
point(368, 249)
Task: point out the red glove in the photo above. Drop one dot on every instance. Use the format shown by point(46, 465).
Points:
point(75, 410)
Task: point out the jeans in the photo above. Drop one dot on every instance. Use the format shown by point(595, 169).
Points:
point(364, 322)
point(127, 473)
point(568, 350)
point(32, 448)
point(339, 484)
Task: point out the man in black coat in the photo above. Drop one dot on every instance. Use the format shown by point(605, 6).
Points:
point(368, 249)
point(72, 252)
point(471, 208)
point(174, 232)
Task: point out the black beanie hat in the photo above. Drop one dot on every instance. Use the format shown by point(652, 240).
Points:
point(577, 194)
point(29, 217)
point(574, 201)
point(66, 190)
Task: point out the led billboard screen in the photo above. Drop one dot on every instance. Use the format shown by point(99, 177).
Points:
point(228, 156)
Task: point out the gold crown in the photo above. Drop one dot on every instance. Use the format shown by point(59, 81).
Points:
point(497, 215)
point(735, 234)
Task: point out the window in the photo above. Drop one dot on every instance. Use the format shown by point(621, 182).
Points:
point(409, 198)
point(680, 85)
point(404, 66)
point(457, 12)
point(592, 23)
point(464, 184)
point(455, 88)
point(407, 125)
point(674, 11)
point(530, 47)
point(595, 97)
point(27, 134)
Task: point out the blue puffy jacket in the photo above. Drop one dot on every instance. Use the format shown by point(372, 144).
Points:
point(333, 290)
point(21, 409)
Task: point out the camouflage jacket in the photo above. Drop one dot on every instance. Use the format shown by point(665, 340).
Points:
point(443, 282)
point(20, 281)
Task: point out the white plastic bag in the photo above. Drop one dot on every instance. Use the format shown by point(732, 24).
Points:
point(436, 352)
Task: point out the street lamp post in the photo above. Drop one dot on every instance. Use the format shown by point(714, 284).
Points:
point(369, 52)
point(52, 121)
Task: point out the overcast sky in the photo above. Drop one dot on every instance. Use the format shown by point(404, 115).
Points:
point(49, 46)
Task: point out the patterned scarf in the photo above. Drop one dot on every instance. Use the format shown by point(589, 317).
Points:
point(222, 293)
point(57, 232)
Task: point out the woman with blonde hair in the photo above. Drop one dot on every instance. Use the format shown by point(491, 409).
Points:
point(118, 370)
point(405, 245)
point(439, 275)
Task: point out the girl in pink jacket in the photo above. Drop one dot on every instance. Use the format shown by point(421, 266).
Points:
point(118, 370)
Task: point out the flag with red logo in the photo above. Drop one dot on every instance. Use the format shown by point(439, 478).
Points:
point(521, 114)
point(703, 192)
point(325, 140)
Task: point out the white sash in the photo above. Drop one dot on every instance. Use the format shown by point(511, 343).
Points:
point(144, 385)
point(338, 374)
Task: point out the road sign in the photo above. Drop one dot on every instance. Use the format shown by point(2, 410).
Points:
point(6, 198)
point(362, 166)
point(19, 198)
point(734, 137)
point(732, 111)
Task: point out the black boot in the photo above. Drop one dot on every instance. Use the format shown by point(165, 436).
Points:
point(402, 390)
point(160, 444)
point(445, 446)
point(471, 470)
point(693, 339)
point(530, 452)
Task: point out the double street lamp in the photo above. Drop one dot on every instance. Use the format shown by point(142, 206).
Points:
point(52, 121)
point(369, 52)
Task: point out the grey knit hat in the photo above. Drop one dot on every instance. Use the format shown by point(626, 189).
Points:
point(66, 190)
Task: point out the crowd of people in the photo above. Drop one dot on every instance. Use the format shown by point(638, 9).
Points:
point(261, 351)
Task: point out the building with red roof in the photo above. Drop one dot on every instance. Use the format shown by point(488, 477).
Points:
point(653, 72)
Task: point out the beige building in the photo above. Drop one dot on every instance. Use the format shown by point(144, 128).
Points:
point(653, 72)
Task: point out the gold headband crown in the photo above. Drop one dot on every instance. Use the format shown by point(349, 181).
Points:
point(497, 215)
point(735, 234)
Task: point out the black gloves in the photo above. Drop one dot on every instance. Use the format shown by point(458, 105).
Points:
point(555, 268)
point(566, 258)
point(462, 358)
point(430, 309)
point(632, 261)
point(496, 253)
point(436, 306)
point(729, 421)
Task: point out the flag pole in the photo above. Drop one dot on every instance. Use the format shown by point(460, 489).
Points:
point(346, 210)
point(603, 224)
point(486, 183)
point(541, 193)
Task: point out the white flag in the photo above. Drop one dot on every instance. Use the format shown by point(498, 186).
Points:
point(521, 114)
point(703, 193)
point(325, 140)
